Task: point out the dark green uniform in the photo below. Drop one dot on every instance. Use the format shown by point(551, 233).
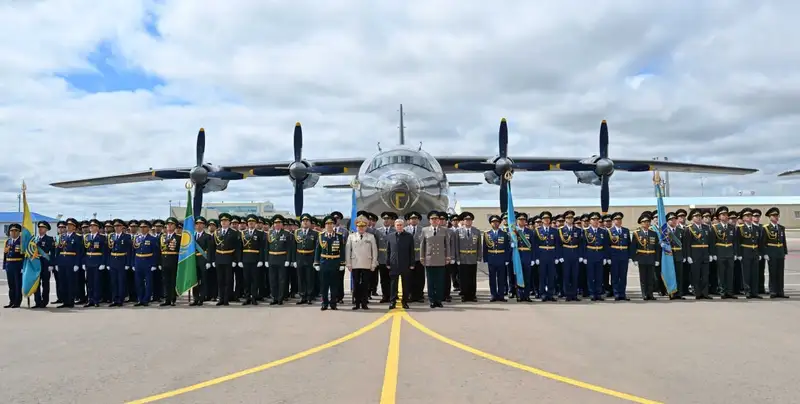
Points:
point(254, 249)
point(724, 254)
point(646, 252)
point(773, 247)
point(280, 247)
point(676, 242)
point(696, 247)
point(747, 238)
point(328, 254)
point(306, 241)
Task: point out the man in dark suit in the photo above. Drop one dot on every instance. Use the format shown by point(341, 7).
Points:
point(202, 262)
point(400, 261)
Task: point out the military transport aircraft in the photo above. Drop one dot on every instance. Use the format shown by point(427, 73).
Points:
point(402, 178)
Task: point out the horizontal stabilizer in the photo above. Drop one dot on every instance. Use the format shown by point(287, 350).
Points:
point(463, 183)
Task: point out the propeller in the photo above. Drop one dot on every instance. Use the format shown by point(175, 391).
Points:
point(298, 170)
point(502, 164)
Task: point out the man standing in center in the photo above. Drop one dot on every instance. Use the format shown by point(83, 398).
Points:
point(434, 255)
point(254, 249)
point(280, 247)
point(305, 242)
point(361, 258)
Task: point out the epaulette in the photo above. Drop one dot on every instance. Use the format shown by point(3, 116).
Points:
point(740, 225)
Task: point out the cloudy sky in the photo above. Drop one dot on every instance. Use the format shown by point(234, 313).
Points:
point(99, 87)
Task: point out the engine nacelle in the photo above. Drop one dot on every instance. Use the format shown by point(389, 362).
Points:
point(310, 180)
point(587, 177)
point(214, 184)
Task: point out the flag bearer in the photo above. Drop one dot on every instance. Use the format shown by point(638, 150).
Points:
point(47, 245)
point(203, 262)
point(620, 238)
point(572, 252)
point(546, 254)
point(211, 291)
point(773, 247)
point(645, 251)
point(120, 260)
point(62, 230)
point(525, 256)
point(495, 254)
point(147, 253)
point(13, 256)
point(329, 261)
point(170, 249)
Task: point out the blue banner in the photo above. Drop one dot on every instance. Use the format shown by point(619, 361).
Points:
point(665, 235)
point(512, 233)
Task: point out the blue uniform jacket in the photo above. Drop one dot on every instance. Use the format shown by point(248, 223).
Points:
point(147, 251)
point(597, 244)
point(95, 250)
point(70, 251)
point(48, 246)
point(619, 241)
point(120, 247)
point(525, 252)
point(573, 243)
point(547, 243)
point(330, 249)
point(13, 255)
point(496, 249)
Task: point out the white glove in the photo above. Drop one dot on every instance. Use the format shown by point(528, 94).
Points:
point(75, 268)
point(286, 264)
point(533, 263)
point(560, 260)
point(766, 258)
point(557, 261)
point(506, 263)
point(316, 267)
point(260, 264)
point(689, 260)
point(83, 267)
point(713, 258)
point(127, 267)
point(159, 267)
point(759, 258)
point(657, 263)
point(684, 260)
point(452, 262)
point(214, 264)
point(537, 262)
point(341, 268)
point(635, 263)
point(208, 266)
point(737, 258)
point(241, 265)
point(458, 262)
point(152, 269)
point(102, 267)
point(56, 268)
point(294, 264)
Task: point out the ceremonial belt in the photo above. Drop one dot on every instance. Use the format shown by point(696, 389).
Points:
point(524, 248)
point(497, 251)
point(113, 254)
point(169, 253)
point(468, 251)
point(594, 247)
point(252, 251)
point(700, 245)
point(330, 256)
point(724, 244)
point(310, 251)
point(676, 248)
point(68, 253)
point(278, 252)
point(779, 245)
point(225, 252)
point(13, 259)
point(619, 247)
point(546, 247)
point(148, 255)
point(569, 246)
point(416, 249)
point(645, 252)
point(198, 254)
point(383, 249)
point(94, 254)
point(750, 246)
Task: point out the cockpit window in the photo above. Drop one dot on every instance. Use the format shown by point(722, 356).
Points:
point(414, 159)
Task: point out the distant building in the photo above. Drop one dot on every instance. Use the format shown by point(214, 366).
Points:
point(633, 207)
point(211, 210)
point(7, 218)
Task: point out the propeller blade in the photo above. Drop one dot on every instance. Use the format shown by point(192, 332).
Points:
point(475, 166)
point(503, 138)
point(604, 194)
point(298, 142)
point(503, 194)
point(327, 170)
point(197, 202)
point(269, 172)
point(298, 198)
point(576, 167)
point(226, 175)
point(604, 139)
point(531, 166)
point(201, 146)
point(171, 174)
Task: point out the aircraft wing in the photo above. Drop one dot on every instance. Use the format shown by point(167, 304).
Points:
point(348, 166)
point(789, 173)
point(139, 176)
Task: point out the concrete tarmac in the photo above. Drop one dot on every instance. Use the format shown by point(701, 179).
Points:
point(648, 352)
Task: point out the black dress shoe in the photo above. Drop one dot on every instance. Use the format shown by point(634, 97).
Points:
point(783, 296)
point(165, 304)
point(433, 306)
point(274, 302)
point(8, 306)
point(58, 301)
point(303, 301)
point(246, 303)
point(392, 306)
point(146, 304)
point(138, 304)
point(405, 306)
point(439, 305)
point(356, 307)
point(334, 307)
point(773, 296)
point(89, 305)
point(220, 304)
point(323, 308)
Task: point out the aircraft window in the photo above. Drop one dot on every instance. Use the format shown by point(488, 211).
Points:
point(382, 161)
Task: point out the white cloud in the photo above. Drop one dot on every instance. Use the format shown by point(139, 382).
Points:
point(724, 91)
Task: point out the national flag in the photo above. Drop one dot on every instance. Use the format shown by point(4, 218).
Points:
point(187, 265)
point(353, 213)
point(665, 235)
point(512, 232)
point(31, 267)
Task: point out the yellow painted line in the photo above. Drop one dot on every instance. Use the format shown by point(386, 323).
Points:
point(389, 390)
point(265, 366)
point(529, 369)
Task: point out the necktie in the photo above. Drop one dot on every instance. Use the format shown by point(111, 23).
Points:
point(434, 231)
point(469, 234)
point(360, 236)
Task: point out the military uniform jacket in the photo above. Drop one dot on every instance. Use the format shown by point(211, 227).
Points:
point(206, 242)
point(48, 245)
point(120, 247)
point(70, 251)
point(597, 243)
point(435, 246)
point(170, 248)
point(416, 231)
point(382, 235)
point(280, 247)
point(329, 249)
point(725, 242)
point(146, 251)
point(547, 244)
point(469, 249)
point(773, 241)
point(620, 241)
point(452, 235)
point(496, 247)
point(227, 247)
point(573, 243)
point(361, 251)
point(254, 246)
point(305, 241)
point(645, 247)
point(748, 239)
point(697, 240)
point(95, 250)
point(13, 255)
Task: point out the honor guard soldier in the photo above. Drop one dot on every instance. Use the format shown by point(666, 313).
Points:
point(725, 252)
point(510, 282)
point(537, 222)
point(305, 240)
point(597, 255)
point(158, 274)
point(371, 230)
point(469, 254)
point(228, 252)
point(738, 288)
point(495, 254)
point(47, 245)
point(146, 255)
point(774, 250)
point(203, 260)
point(105, 274)
point(676, 238)
point(620, 238)
point(762, 289)
point(607, 279)
point(62, 230)
point(645, 251)
point(748, 237)
point(95, 257)
point(573, 250)
point(383, 271)
point(13, 256)
point(254, 254)
point(546, 254)
point(696, 247)
point(339, 229)
point(170, 243)
point(455, 224)
point(524, 244)
point(329, 260)
point(281, 255)
point(558, 290)
point(713, 278)
point(435, 254)
point(130, 277)
point(235, 284)
point(417, 277)
point(211, 292)
point(120, 260)
point(582, 223)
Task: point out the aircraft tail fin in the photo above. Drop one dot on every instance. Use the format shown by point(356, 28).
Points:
point(402, 127)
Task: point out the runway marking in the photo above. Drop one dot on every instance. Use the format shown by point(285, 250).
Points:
point(529, 369)
point(389, 390)
point(266, 366)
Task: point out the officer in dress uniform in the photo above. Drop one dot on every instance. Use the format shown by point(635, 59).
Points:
point(583, 279)
point(237, 273)
point(62, 230)
point(607, 278)
point(47, 245)
point(158, 275)
point(228, 252)
point(202, 240)
point(105, 274)
point(306, 240)
point(371, 275)
point(762, 267)
point(254, 254)
point(597, 255)
point(281, 255)
point(573, 250)
point(120, 260)
point(435, 254)
point(558, 220)
point(95, 259)
point(774, 251)
point(339, 229)
point(620, 238)
point(524, 244)
point(686, 267)
point(211, 291)
point(470, 251)
point(13, 256)
point(417, 278)
point(146, 255)
point(70, 258)
point(676, 246)
point(738, 286)
point(80, 276)
point(724, 249)
point(451, 268)
point(495, 254)
point(130, 276)
point(455, 224)
point(329, 260)
point(546, 253)
point(645, 251)
point(383, 271)
point(170, 244)
point(696, 247)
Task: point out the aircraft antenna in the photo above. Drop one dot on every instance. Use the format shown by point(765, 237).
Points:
point(402, 127)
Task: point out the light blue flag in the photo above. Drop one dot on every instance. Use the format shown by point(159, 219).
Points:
point(664, 235)
point(512, 232)
point(31, 267)
point(353, 213)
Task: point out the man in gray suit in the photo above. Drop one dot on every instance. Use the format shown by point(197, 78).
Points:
point(417, 277)
point(435, 254)
point(361, 259)
point(400, 261)
point(383, 272)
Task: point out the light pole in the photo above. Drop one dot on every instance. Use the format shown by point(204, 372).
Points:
point(558, 187)
point(702, 186)
point(19, 202)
